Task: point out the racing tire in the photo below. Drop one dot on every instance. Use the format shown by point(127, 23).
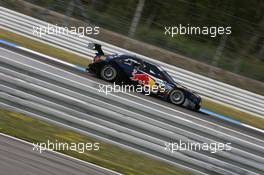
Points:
point(177, 97)
point(197, 107)
point(108, 73)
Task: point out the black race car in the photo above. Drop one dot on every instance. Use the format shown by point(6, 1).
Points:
point(128, 69)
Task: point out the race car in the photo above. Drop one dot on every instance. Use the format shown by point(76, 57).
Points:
point(129, 69)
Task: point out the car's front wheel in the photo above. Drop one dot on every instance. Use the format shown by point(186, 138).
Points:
point(197, 107)
point(108, 73)
point(177, 97)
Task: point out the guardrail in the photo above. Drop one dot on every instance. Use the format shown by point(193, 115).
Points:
point(53, 94)
point(205, 86)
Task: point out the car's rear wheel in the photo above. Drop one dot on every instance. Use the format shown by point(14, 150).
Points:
point(177, 97)
point(108, 73)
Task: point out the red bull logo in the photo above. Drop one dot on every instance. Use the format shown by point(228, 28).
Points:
point(143, 79)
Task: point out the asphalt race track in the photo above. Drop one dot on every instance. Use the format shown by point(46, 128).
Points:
point(131, 120)
point(18, 157)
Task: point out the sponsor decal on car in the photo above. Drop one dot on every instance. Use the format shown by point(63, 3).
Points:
point(143, 79)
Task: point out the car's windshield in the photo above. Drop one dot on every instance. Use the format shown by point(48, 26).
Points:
point(167, 77)
point(157, 71)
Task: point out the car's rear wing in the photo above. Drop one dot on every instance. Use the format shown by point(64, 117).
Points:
point(97, 47)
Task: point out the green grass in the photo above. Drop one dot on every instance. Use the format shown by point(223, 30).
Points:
point(109, 156)
point(234, 113)
point(69, 57)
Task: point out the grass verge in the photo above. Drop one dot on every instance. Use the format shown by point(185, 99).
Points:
point(234, 113)
point(78, 60)
point(109, 156)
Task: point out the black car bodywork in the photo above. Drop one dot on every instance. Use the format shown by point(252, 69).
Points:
point(127, 69)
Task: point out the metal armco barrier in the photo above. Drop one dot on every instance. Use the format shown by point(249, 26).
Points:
point(205, 86)
point(44, 91)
